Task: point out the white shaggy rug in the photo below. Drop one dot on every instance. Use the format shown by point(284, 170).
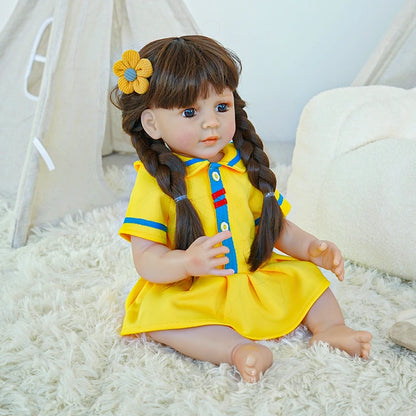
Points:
point(62, 300)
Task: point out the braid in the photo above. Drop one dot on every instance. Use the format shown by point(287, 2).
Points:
point(262, 177)
point(169, 172)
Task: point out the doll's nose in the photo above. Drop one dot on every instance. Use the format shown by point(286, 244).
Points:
point(210, 121)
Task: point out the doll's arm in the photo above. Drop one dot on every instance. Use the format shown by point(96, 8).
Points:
point(157, 263)
point(304, 246)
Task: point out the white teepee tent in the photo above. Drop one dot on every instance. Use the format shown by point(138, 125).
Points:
point(55, 114)
point(394, 60)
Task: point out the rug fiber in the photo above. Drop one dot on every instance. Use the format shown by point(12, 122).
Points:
point(62, 304)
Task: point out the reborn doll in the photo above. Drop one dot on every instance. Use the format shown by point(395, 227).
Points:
point(204, 216)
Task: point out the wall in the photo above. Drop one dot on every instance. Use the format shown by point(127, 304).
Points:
point(6, 8)
point(291, 50)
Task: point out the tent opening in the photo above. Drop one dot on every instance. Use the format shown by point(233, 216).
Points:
point(37, 60)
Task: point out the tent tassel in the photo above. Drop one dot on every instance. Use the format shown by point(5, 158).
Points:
point(45, 155)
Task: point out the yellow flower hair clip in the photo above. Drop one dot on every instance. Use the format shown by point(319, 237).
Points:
point(133, 72)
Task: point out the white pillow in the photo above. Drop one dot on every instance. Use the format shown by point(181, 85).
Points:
point(353, 177)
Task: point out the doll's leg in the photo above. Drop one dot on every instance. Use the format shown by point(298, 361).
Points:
point(219, 344)
point(326, 323)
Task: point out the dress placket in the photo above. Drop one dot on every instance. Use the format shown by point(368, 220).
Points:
point(221, 210)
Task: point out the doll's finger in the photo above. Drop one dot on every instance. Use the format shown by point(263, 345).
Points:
point(339, 272)
point(220, 250)
point(337, 259)
point(316, 248)
point(220, 261)
point(323, 246)
point(218, 238)
point(222, 272)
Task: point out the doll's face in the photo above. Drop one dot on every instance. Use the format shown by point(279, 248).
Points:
point(201, 130)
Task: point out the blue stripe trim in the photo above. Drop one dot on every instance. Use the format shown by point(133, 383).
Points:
point(146, 223)
point(232, 162)
point(256, 222)
point(236, 159)
point(193, 161)
point(222, 214)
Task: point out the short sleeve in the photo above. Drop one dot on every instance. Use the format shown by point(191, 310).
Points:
point(256, 203)
point(283, 203)
point(147, 212)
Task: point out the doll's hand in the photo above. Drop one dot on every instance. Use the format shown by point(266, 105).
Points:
point(204, 256)
point(327, 255)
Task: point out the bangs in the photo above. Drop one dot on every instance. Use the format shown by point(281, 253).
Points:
point(186, 68)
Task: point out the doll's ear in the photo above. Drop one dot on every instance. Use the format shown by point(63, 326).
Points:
point(148, 119)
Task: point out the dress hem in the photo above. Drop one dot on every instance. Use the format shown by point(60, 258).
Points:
point(195, 323)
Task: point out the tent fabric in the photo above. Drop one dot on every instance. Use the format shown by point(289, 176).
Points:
point(393, 62)
point(16, 108)
point(59, 55)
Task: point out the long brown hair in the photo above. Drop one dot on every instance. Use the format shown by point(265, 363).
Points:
point(183, 70)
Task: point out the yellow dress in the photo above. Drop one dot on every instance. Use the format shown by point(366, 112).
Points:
point(265, 304)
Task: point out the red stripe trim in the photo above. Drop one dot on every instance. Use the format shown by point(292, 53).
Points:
point(215, 195)
point(220, 203)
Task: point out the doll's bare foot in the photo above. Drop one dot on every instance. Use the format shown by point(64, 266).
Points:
point(251, 360)
point(346, 339)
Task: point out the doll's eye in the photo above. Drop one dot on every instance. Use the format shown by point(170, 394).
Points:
point(189, 112)
point(222, 108)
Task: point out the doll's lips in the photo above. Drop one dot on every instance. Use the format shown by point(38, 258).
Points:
point(210, 140)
